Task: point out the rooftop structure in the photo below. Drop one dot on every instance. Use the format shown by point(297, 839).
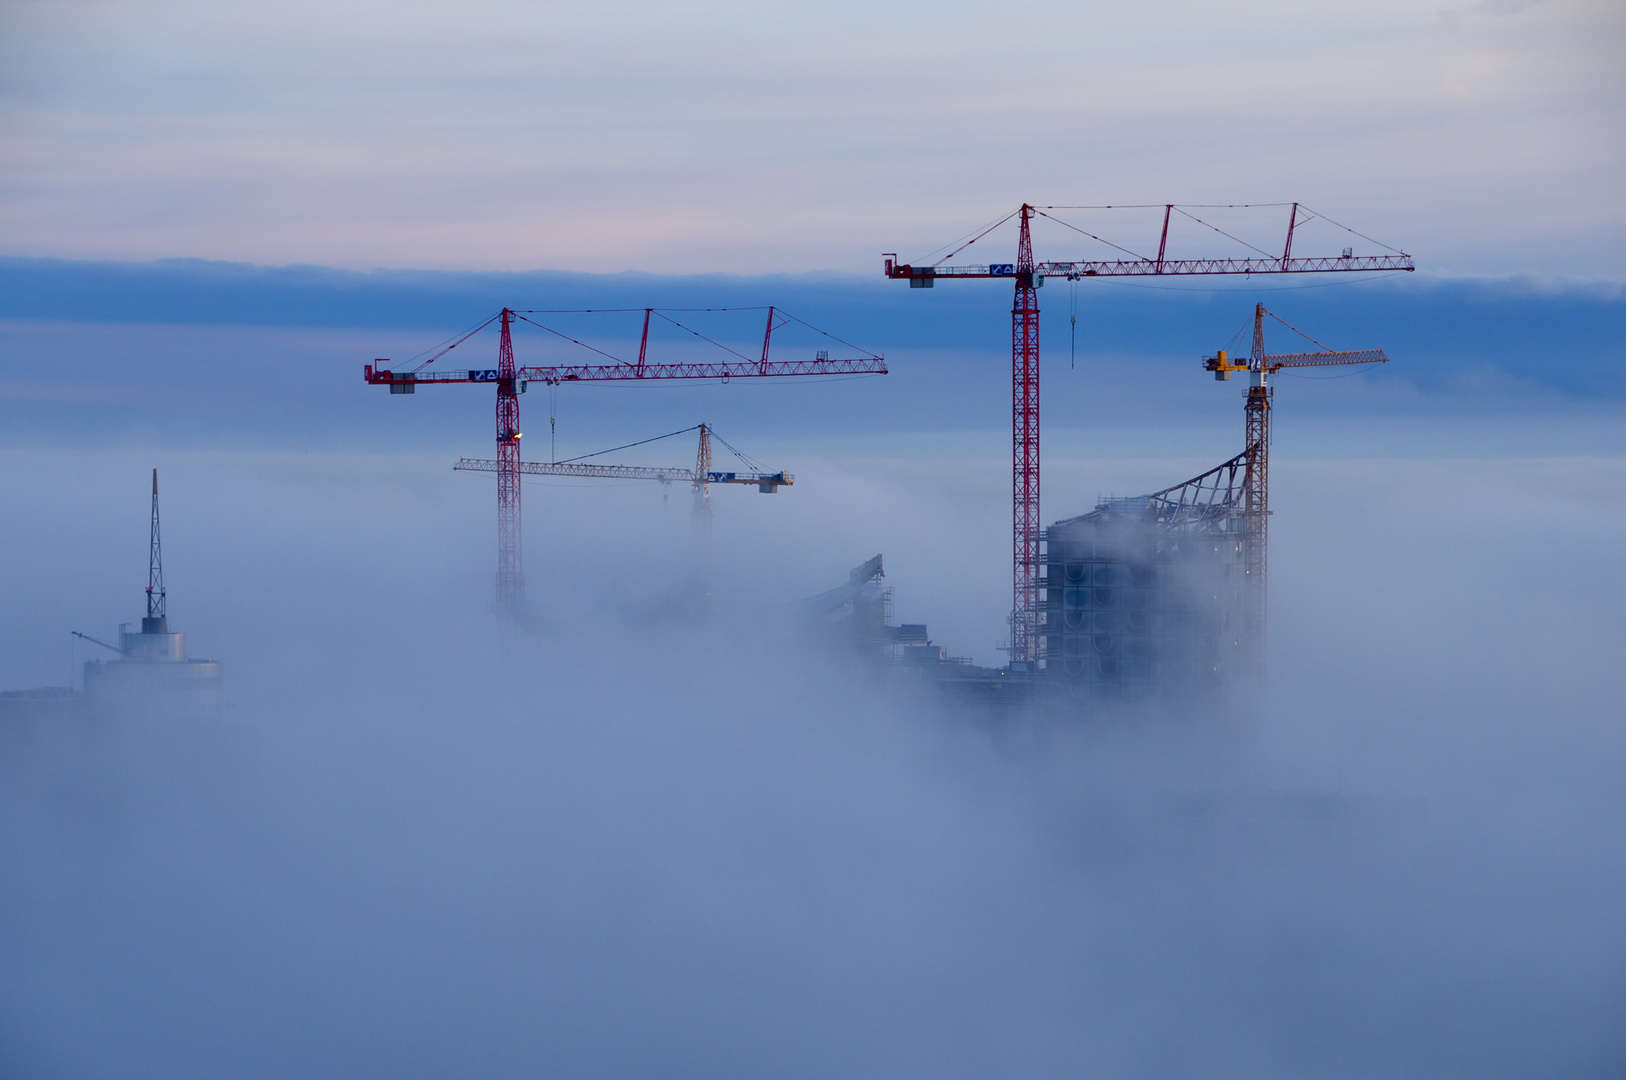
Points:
point(152, 670)
point(857, 617)
point(1145, 599)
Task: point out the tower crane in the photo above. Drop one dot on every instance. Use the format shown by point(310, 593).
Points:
point(1028, 275)
point(1260, 366)
point(700, 478)
point(511, 380)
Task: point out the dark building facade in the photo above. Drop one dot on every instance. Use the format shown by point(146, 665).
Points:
point(1147, 597)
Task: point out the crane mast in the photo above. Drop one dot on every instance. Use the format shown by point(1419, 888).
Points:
point(510, 576)
point(1256, 489)
point(1024, 445)
point(1257, 406)
point(701, 485)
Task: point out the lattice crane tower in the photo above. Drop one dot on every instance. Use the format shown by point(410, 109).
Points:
point(1256, 446)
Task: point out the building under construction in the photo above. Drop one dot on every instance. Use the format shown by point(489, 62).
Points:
point(1156, 597)
point(1144, 599)
point(1151, 596)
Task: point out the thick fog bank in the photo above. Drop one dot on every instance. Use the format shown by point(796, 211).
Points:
point(654, 836)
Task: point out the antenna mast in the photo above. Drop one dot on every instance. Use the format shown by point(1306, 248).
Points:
point(156, 621)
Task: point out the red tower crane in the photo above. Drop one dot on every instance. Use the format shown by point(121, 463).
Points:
point(1028, 275)
point(512, 379)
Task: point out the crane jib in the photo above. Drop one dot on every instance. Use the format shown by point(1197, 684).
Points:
point(405, 380)
point(1154, 268)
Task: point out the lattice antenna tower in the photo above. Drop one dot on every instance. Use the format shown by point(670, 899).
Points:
point(155, 622)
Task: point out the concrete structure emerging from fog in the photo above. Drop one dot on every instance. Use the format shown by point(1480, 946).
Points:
point(152, 670)
point(1148, 596)
point(1145, 599)
point(151, 673)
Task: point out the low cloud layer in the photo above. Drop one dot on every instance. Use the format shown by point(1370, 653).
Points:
point(660, 836)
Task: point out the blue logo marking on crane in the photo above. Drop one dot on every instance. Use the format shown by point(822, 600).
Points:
point(488, 375)
point(1002, 269)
